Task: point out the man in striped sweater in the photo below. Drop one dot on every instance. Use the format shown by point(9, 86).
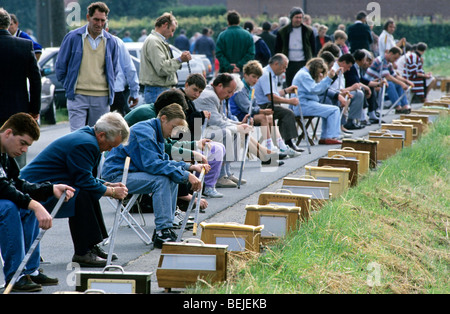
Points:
point(414, 72)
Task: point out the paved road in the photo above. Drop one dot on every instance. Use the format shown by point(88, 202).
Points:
point(134, 254)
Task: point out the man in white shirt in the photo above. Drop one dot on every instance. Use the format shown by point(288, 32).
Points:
point(386, 40)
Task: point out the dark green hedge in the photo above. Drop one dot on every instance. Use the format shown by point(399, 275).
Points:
point(434, 34)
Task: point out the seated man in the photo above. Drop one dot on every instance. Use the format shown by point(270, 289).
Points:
point(193, 88)
point(382, 68)
point(363, 59)
point(312, 81)
point(348, 95)
point(151, 170)
point(423, 82)
point(21, 214)
point(73, 159)
point(240, 104)
point(286, 119)
point(225, 130)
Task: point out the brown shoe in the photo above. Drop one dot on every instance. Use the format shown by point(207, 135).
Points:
point(89, 260)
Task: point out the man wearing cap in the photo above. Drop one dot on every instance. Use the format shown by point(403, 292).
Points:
point(295, 40)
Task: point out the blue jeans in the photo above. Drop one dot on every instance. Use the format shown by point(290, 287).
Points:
point(394, 91)
point(152, 92)
point(18, 229)
point(164, 195)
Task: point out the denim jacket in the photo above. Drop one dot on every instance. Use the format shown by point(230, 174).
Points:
point(146, 151)
point(69, 61)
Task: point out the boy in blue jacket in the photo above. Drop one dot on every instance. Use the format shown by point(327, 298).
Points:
point(151, 170)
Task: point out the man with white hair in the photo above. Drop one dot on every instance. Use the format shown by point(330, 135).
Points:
point(73, 160)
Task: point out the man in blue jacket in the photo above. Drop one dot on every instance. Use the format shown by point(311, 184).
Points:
point(73, 160)
point(151, 170)
point(87, 67)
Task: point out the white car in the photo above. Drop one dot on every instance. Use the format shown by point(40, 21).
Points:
point(196, 65)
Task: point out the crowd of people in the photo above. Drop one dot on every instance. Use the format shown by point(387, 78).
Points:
point(179, 132)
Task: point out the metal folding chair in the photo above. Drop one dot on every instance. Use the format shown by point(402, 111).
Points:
point(123, 214)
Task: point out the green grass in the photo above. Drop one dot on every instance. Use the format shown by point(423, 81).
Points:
point(437, 61)
point(387, 235)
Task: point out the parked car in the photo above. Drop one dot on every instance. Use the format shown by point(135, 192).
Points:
point(48, 106)
point(47, 65)
point(196, 65)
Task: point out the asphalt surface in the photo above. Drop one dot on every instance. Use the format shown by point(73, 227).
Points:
point(134, 254)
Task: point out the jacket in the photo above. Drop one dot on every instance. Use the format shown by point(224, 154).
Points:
point(240, 103)
point(158, 66)
point(308, 39)
point(18, 63)
point(146, 150)
point(234, 45)
point(359, 36)
point(308, 89)
point(73, 160)
point(69, 61)
point(19, 191)
point(208, 101)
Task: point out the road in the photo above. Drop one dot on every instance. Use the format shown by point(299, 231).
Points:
point(134, 254)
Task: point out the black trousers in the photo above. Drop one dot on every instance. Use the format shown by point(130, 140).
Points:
point(286, 121)
point(292, 69)
point(120, 104)
point(87, 227)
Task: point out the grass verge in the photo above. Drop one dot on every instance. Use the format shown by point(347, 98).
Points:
point(389, 234)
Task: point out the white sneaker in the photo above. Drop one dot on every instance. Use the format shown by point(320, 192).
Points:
point(212, 193)
point(224, 182)
point(290, 152)
point(236, 180)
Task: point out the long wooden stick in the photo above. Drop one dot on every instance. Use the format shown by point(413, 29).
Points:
point(190, 206)
point(33, 247)
point(247, 140)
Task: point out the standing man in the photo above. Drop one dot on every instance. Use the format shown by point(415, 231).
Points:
point(386, 40)
point(268, 37)
point(21, 214)
point(158, 66)
point(73, 159)
point(234, 46)
point(205, 45)
point(16, 32)
point(18, 68)
point(360, 34)
point(127, 75)
point(87, 67)
point(296, 41)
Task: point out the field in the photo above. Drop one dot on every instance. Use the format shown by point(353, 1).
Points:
point(389, 234)
point(437, 61)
